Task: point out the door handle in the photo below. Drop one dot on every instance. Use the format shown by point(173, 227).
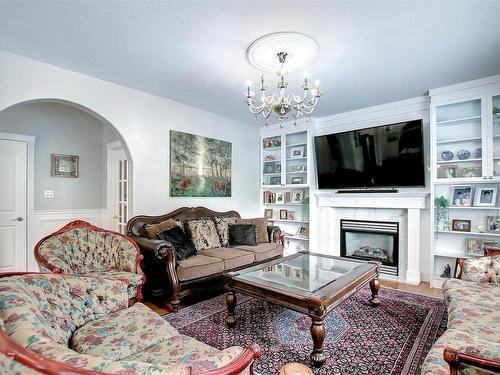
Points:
point(20, 218)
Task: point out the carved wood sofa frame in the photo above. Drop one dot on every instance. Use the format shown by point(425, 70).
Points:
point(83, 224)
point(47, 366)
point(160, 261)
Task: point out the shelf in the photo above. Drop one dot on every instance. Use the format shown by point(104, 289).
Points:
point(304, 172)
point(271, 148)
point(458, 120)
point(290, 221)
point(282, 204)
point(272, 174)
point(487, 234)
point(472, 208)
point(465, 180)
point(458, 140)
point(297, 144)
point(296, 237)
point(454, 161)
point(285, 187)
point(301, 158)
point(444, 254)
point(272, 161)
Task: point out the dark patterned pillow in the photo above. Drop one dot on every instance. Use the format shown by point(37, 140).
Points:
point(222, 224)
point(203, 233)
point(243, 234)
point(184, 247)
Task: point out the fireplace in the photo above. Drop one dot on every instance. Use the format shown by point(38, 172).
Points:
point(371, 240)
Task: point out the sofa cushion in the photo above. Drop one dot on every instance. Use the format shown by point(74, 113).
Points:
point(222, 224)
point(261, 224)
point(199, 266)
point(434, 363)
point(479, 270)
point(133, 280)
point(203, 233)
point(263, 251)
point(180, 351)
point(122, 334)
point(233, 258)
point(183, 245)
point(243, 234)
point(152, 230)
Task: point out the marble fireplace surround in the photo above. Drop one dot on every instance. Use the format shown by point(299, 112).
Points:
point(402, 207)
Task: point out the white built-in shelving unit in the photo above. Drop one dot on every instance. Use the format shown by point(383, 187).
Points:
point(465, 151)
point(285, 170)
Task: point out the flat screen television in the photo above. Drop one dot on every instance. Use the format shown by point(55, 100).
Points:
point(383, 156)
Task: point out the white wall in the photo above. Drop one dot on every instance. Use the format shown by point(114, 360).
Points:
point(61, 129)
point(144, 121)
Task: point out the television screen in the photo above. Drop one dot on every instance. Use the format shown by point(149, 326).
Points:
point(383, 156)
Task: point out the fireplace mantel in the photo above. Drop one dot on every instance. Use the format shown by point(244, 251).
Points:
point(406, 200)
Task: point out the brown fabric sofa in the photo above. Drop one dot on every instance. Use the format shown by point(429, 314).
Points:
point(172, 279)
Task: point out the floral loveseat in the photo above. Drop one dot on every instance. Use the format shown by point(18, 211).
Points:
point(55, 324)
point(472, 341)
point(80, 248)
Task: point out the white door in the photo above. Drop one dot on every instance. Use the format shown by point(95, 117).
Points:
point(13, 185)
point(118, 188)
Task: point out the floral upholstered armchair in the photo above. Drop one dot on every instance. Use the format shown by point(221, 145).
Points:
point(471, 343)
point(80, 248)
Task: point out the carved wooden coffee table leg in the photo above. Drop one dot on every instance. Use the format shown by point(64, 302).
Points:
point(231, 305)
point(374, 286)
point(318, 357)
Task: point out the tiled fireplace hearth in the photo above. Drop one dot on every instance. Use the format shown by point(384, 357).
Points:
point(371, 240)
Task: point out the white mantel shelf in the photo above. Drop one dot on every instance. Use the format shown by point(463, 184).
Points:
point(407, 200)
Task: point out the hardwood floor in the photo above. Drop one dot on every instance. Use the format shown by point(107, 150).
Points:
point(423, 289)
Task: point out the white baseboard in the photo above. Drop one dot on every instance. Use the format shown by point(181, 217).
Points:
point(46, 222)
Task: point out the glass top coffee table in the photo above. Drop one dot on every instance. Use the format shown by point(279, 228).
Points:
point(310, 283)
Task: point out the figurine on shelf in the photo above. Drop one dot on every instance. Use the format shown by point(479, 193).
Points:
point(446, 272)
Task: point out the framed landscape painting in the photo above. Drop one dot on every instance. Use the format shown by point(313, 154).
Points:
point(199, 166)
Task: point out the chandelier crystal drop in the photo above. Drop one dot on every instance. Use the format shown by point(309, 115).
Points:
point(283, 105)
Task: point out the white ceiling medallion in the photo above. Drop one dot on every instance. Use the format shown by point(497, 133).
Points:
point(301, 51)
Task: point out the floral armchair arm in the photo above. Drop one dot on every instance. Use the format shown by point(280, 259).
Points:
point(50, 257)
point(129, 255)
point(457, 360)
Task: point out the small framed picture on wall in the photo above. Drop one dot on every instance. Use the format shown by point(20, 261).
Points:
point(64, 165)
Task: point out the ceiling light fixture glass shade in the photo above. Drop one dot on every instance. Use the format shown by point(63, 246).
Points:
point(283, 105)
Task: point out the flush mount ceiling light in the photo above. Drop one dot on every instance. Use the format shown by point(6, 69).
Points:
point(270, 53)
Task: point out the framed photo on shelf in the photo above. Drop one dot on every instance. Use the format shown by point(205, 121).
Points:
point(460, 225)
point(280, 198)
point(303, 231)
point(447, 171)
point(283, 214)
point(458, 268)
point(296, 180)
point(297, 196)
point(477, 247)
point(268, 213)
point(471, 172)
point(290, 215)
point(486, 196)
point(493, 223)
point(270, 168)
point(461, 195)
point(297, 152)
point(298, 168)
point(275, 180)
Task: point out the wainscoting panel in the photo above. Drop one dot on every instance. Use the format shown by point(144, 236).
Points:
point(49, 221)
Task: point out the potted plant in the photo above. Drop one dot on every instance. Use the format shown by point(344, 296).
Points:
point(442, 214)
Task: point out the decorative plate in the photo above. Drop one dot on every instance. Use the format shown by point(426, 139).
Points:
point(477, 153)
point(463, 154)
point(447, 155)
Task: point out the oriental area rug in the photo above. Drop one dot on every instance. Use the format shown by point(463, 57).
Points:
point(392, 338)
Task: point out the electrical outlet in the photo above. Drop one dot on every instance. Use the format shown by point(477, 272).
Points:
point(49, 193)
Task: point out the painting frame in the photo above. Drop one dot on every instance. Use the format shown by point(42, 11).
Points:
point(199, 166)
point(268, 213)
point(461, 195)
point(62, 165)
point(460, 225)
point(479, 196)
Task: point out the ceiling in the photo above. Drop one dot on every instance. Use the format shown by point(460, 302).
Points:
point(370, 52)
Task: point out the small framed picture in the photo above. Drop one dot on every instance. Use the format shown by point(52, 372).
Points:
point(447, 171)
point(297, 152)
point(296, 180)
point(280, 198)
point(64, 165)
point(461, 195)
point(275, 180)
point(297, 196)
point(476, 246)
point(298, 168)
point(493, 223)
point(472, 172)
point(458, 268)
point(277, 168)
point(485, 196)
point(290, 215)
point(270, 168)
point(303, 231)
point(268, 213)
point(460, 225)
point(283, 214)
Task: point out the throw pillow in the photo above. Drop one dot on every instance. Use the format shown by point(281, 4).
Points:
point(243, 234)
point(203, 233)
point(222, 224)
point(153, 229)
point(261, 224)
point(184, 247)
